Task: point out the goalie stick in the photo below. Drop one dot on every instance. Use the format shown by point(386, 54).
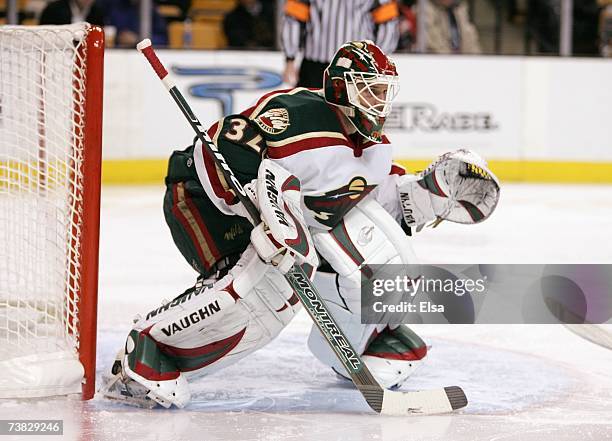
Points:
point(381, 400)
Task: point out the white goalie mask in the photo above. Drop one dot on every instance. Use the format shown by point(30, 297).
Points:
point(363, 82)
point(372, 93)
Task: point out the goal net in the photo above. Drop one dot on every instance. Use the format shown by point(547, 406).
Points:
point(50, 143)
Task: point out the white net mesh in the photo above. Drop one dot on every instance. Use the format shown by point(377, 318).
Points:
point(42, 105)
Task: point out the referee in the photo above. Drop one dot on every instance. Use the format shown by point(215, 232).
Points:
point(320, 27)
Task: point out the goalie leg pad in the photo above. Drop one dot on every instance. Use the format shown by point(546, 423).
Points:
point(181, 340)
point(394, 355)
point(367, 235)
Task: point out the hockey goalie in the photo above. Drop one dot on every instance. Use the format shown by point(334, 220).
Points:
point(319, 168)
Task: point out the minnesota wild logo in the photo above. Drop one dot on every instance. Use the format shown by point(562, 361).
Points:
point(273, 121)
point(330, 207)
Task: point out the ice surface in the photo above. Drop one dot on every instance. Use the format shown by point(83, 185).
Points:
point(523, 382)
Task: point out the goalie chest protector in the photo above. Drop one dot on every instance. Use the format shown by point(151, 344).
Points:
point(303, 133)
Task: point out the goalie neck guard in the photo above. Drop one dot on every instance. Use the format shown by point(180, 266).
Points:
point(362, 81)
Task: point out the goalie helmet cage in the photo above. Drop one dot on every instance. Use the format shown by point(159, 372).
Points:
point(50, 164)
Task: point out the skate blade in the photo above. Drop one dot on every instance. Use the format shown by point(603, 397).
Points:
point(116, 391)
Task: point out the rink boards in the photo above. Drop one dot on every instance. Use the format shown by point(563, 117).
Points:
point(536, 119)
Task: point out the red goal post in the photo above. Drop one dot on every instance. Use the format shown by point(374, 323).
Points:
point(51, 84)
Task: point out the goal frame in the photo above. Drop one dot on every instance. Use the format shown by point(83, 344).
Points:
point(92, 173)
point(53, 182)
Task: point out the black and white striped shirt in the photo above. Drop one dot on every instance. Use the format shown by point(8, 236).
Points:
point(328, 24)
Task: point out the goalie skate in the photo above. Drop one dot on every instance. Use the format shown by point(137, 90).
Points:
point(126, 385)
point(129, 392)
point(120, 388)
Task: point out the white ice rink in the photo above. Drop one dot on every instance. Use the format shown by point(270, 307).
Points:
point(523, 382)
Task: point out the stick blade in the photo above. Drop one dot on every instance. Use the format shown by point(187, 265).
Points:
point(456, 397)
point(425, 402)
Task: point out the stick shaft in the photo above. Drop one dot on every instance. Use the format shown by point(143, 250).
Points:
point(147, 50)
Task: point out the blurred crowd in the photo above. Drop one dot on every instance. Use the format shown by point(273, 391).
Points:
point(214, 24)
point(591, 32)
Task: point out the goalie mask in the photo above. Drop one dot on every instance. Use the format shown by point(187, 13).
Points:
point(363, 82)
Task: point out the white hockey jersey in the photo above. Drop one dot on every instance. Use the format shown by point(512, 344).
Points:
point(304, 134)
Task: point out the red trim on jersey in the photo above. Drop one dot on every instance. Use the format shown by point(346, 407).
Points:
point(196, 215)
point(212, 130)
point(274, 92)
point(306, 144)
point(188, 228)
point(397, 170)
point(247, 113)
point(215, 182)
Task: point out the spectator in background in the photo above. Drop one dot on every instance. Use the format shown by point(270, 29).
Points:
point(182, 6)
point(448, 28)
point(250, 24)
point(320, 27)
point(124, 16)
point(407, 26)
point(72, 11)
point(585, 36)
point(605, 27)
point(543, 17)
